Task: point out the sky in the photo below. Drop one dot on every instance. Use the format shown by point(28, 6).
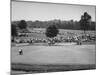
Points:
point(31, 11)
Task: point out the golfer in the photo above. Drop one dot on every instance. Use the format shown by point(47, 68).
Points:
point(20, 51)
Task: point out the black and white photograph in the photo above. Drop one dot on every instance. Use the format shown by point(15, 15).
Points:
point(52, 37)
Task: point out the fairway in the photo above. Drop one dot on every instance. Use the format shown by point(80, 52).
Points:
point(71, 54)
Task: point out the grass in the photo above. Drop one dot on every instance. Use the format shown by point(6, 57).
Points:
point(38, 68)
point(38, 59)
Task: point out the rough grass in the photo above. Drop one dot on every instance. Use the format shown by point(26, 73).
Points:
point(36, 68)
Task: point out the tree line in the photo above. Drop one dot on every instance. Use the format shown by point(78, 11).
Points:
point(74, 25)
point(85, 23)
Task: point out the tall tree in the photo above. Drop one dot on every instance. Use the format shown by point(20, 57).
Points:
point(13, 31)
point(52, 32)
point(22, 24)
point(85, 21)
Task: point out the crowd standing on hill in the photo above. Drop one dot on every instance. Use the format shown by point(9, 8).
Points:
point(74, 38)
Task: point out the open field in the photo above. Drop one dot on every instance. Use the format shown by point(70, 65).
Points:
point(38, 58)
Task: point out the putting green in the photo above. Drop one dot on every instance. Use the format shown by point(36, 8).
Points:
point(71, 54)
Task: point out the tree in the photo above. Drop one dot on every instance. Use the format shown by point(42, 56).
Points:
point(85, 21)
point(13, 31)
point(22, 24)
point(51, 32)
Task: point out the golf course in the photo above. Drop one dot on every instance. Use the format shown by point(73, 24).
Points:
point(52, 58)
